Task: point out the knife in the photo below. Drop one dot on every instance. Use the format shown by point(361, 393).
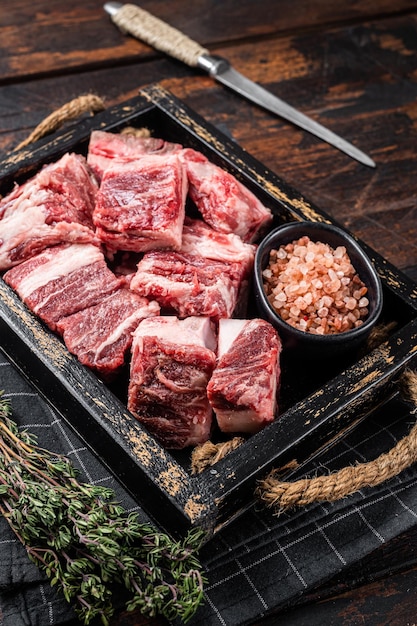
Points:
point(163, 37)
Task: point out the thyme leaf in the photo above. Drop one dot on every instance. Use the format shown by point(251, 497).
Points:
point(88, 546)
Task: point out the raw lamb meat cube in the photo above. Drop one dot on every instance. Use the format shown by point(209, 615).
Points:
point(54, 206)
point(208, 277)
point(62, 280)
point(244, 386)
point(105, 146)
point(172, 361)
point(101, 335)
point(189, 284)
point(223, 201)
point(198, 238)
point(141, 204)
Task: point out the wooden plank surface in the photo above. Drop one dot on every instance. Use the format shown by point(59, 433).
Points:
point(39, 37)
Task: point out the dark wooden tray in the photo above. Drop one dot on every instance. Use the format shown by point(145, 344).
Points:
point(319, 400)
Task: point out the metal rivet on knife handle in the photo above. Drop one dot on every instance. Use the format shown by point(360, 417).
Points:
point(153, 31)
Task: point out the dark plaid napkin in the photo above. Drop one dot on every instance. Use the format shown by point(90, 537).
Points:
point(260, 563)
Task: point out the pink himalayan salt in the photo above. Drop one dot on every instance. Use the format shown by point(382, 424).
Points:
point(315, 288)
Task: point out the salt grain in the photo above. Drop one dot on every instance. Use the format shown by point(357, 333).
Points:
point(315, 288)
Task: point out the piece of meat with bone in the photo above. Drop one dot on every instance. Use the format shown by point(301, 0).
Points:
point(245, 382)
point(208, 277)
point(53, 207)
point(223, 201)
point(62, 280)
point(101, 335)
point(105, 146)
point(187, 284)
point(141, 204)
point(172, 361)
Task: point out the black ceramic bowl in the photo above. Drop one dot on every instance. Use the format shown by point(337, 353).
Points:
point(304, 342)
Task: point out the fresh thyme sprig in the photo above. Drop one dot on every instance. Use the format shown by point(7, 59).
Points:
point(89, 547)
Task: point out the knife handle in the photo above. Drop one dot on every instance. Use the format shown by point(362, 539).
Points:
point(158, 34)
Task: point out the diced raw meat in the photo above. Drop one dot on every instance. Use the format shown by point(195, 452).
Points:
point(141, 204)
point(172, 361)
point(244, 386)
point(53, 207)
point(62, 280)
point(189, 284)
point(101, 335)
point(105, 146)
point(208, 277)
point(198, 238)
point(223, 201)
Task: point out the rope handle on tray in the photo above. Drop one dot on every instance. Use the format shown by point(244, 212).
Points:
point(281, 495)
point(88, 103)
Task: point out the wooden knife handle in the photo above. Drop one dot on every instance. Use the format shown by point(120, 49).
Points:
point(158, 34)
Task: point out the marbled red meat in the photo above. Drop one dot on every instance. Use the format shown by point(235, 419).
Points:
point(208, 277)
point(53, 207)
point(245, 382)
point(62, 280)
point(198, 238)
point(188, 284)
point(223, 201)
point(141, 204)
point(172, 361)
point(105, 146)
point(101, 335)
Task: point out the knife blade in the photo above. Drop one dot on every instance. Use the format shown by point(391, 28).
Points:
point(133, 20)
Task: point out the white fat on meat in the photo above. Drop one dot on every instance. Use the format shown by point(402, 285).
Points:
point(52, 207)
point(244, 385)
point(209, 276)
point(228, 331)
point(188, 284)
point(172, 361)
point(200, 238)
point(62, 280)
point(193, 331)
point(197, 331)
point(58, 262)
point(23, 235)
point(105, 146)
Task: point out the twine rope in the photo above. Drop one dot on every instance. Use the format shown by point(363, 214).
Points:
point(207, 454)
point(88, 103)
point(281, 495)
point(136, 132)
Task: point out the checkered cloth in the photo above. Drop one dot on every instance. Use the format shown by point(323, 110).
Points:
point(257, 565)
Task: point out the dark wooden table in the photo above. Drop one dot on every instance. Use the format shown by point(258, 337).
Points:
point(350, 65)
